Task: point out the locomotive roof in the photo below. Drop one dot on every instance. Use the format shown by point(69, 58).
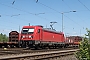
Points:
point(32, 26)
point(51, 30)
point(45, 29)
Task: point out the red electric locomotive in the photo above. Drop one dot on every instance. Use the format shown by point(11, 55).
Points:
point(38, 36)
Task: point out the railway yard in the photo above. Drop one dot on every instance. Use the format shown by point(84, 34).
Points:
point(38, 43)
point(27, 30)
point(45, 54)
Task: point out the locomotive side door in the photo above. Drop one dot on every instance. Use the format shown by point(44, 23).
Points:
point(40, 34)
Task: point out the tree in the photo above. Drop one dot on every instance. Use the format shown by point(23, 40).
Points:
point(3, 38)
point(84, 53)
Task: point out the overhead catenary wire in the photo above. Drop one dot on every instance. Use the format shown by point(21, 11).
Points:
point(24, 11)
point(49, 7)
point(12, 16)
point(56, 11)
point(84, 5)
point(73, 21)
point(84, 22)
point(8, 25)
point(71, 9)
point(67, 5)
point(34, 14)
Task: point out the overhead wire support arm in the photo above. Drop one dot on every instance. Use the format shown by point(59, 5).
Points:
point(62, 17)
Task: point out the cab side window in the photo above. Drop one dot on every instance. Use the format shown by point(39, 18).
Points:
point(38, 30)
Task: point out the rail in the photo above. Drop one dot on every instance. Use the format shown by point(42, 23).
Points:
point(40, 55)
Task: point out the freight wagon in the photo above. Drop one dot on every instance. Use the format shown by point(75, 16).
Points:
point(73, 40)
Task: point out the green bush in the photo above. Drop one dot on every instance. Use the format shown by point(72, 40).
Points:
point(84, 53)
point(3, 38)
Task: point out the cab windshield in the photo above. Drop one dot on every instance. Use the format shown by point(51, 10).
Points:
point(27, 31)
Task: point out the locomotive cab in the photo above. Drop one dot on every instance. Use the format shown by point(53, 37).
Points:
point(30, 35)
point(27, 33)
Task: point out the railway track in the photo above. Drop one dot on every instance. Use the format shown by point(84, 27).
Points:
point(25, 50)
point(37, 54)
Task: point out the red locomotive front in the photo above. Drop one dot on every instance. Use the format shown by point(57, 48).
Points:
point(30, 33)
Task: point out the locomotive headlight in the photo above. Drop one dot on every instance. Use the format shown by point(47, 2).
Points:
point(30, 36)
point(23, 36)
